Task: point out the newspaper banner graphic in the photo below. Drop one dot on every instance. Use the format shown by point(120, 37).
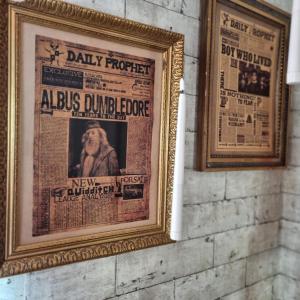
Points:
point(246, 64)
point(92, 136)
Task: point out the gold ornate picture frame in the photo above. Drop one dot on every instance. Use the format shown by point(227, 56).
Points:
point(88, 127)
point(243, 100)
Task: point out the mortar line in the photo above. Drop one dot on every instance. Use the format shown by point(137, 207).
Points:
point(228, 200)
point(172, 10)
point(232, 229)
point(116, 275)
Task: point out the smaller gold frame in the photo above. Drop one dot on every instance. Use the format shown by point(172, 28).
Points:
point(242, 121)
point(16, 258)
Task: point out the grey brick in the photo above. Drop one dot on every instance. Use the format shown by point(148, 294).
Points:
point(293, 151)
point(188, 8)
point(290, 181)
point(191, 113)
point(148, 267)
point(96, 277)
point(294, 124)
point(208, 218)
point(190, 150)
point(213, 283)
point(191, 73)
point(240, 243)
point(12, 288)
point(286, 288)
point(163, 291)
point(267, 208)
point(295, 95)
point(289, 235)
point(283, 4)
point(262, 266)
point(203, 186)
point(251, 183)
point(289, 263)
point(291, 207)
point(151, 14)
point(117, 9)
point(259, 291)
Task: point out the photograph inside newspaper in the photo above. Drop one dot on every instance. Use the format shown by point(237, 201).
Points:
point(246, 55)
point(93, 123)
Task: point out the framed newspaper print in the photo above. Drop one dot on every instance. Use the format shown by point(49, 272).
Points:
point(243, 94)
point(88, 124)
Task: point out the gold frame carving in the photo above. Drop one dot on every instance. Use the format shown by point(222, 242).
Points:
point(17, 259)
point(209, 158)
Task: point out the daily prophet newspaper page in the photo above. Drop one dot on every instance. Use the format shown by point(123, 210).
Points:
point(246, 56)
point(92, 137)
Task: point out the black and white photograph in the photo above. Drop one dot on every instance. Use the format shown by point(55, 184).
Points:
point(96, 148)
point(253, 80)
point(133, 191)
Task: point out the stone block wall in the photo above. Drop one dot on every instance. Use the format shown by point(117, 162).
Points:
point(231, 219)
point(287, 283)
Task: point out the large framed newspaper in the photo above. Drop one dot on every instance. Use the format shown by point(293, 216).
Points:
point(243, 94)
point(88, 127)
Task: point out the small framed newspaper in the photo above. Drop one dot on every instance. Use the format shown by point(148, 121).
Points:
point(88, 129)
point(243, 95)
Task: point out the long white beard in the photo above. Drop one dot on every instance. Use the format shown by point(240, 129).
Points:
point(91, 148)
point(88, 165)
